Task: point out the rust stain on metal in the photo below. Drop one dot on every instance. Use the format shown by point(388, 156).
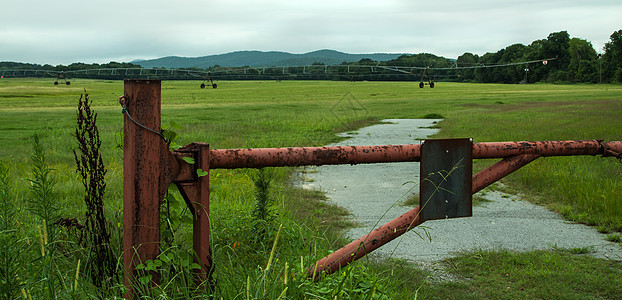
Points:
point(612, 149)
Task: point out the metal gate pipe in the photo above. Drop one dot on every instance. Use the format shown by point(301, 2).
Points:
point(301, 156)
point(500, 169)
point(366, 244)
point(196, 195)
point(544, 148)
point(317, 156)
point(509, 164)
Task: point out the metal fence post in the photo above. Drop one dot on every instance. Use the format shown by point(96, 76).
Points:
point(143, 154)
point(196, 194)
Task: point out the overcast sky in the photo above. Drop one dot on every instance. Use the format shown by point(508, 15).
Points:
point(89, 31)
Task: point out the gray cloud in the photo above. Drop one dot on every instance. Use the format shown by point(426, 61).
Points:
point(100, 31)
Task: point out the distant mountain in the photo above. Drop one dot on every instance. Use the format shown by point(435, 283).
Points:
point(261, 59)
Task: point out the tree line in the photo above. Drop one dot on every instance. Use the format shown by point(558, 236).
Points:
point(573, 60)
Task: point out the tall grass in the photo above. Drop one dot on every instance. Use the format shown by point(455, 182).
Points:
point(271, 114)
point(11, 263)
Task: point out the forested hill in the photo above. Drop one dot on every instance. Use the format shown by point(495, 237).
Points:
point(261, 59)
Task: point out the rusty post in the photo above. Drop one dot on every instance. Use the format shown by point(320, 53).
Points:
point(196, 195)
point(365, 244)
point(147, 167)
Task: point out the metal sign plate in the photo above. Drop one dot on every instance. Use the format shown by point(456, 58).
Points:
point(446, 179)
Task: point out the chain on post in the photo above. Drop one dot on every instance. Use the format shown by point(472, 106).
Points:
point(126, 112)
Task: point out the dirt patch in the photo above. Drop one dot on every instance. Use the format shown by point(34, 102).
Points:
point(597, 105)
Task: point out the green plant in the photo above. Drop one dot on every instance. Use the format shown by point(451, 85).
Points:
point(614, 237)
point(11, 246)
point(176, 271)
point(352, 282)
point(539, 274)
point(91, 168)
point(43, 203)
point(433, 116)
point(170, 134)
point(412, 200)
point(44, 199)
point(262, 213)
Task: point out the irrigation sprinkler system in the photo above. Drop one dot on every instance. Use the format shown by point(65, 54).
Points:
point(149, 168)
point(326, 72)
point(211, 83)
point(61, 76)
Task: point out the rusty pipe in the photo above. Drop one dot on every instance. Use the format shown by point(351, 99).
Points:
point(500, 169)
point(365, 244)
point(514, 154)
point(543, 148)
point(407, 221)
point(396, 227)
point(301, 156)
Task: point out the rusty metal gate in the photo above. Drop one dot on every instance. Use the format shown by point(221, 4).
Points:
point(149, 169)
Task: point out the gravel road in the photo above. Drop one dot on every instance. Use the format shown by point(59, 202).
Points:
point(373, 193)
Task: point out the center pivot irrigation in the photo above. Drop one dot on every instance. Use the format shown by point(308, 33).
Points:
point(211, 82)
point(425, 75)
point(61, 76)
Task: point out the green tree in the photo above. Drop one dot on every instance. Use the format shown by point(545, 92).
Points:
point(557, 45)
point(535, 51)
point(583, 61)
point(513, 54)
point(467, 60)
point(612, 58)
point(367, 61)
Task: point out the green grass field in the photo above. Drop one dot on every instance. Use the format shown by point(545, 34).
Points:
point(307, 113)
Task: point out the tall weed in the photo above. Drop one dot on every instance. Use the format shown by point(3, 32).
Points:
point(44, 204)
point(91, 168)
point(10, 244)
point(43, 201)
point(262, 212)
